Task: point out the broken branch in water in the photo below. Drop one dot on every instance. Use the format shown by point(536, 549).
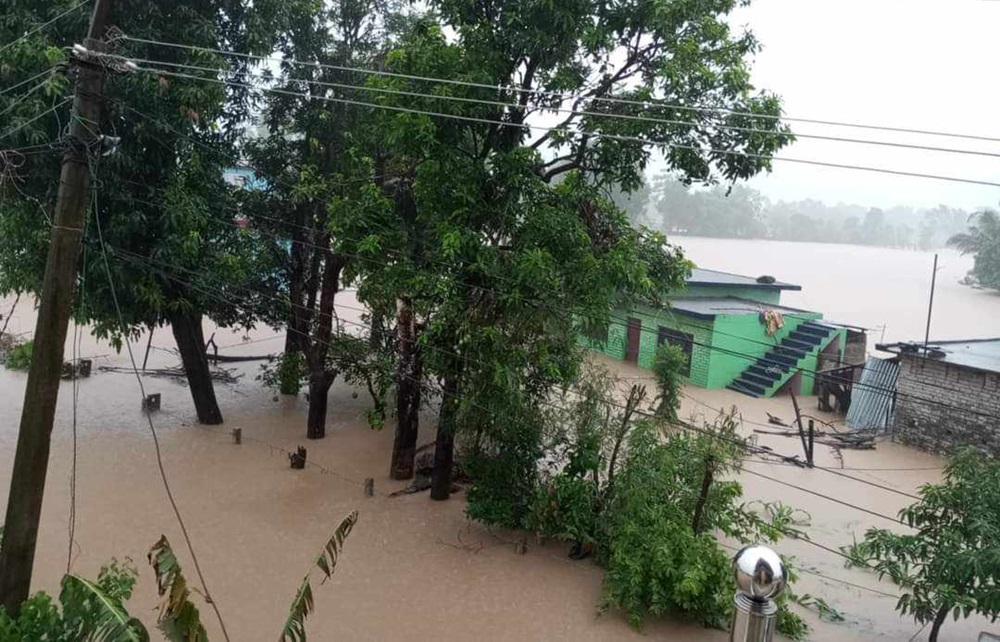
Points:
point(836, 439)
point(225, 376)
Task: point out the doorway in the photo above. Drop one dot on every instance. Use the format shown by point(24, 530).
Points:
point(633, 338)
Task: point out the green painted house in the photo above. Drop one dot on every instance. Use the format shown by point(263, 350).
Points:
point(735, 332)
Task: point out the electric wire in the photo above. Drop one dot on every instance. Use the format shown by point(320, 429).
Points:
point(574, 112)
point(18, 128)
point(573, 132)
point(23, 97)
point(44, 25)
point(562, 96)
point(26, 81)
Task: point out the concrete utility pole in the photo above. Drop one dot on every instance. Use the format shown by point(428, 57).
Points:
point(24, 504)
point(930, 303)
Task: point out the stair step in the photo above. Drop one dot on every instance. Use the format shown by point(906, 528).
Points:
point(738, 388)
point(757, 379)
point(804, 346)
point(780, 360)
point(811, 328)
point(764, 372)
point(750, 385)
point(790, 351)
point(812, 340)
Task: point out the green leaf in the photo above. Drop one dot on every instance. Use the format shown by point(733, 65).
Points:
point(294, 629)
point(113, 623)
point(178, 618)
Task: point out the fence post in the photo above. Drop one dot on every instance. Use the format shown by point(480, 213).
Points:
point(760, 577)
point(812, 444)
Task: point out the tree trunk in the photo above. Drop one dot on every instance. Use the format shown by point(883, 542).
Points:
point(299, 258)
point(444, 447)
point(938, 621)
point(187, 331)
point(319, 394)
point(408, 373)
point(320, 378)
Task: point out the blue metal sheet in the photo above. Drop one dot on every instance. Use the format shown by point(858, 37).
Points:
point(872, 398)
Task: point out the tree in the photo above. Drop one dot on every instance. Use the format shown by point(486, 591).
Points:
point(982, 240)
point(521, 244)
point(161, 210)
point(303, 161)
point(949, 564)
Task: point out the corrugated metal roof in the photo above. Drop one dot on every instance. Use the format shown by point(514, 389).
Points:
point(980, 354)
point(710, 278)
point(872, 396)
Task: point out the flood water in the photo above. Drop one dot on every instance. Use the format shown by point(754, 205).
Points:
point(418, 569)
point(871, 287)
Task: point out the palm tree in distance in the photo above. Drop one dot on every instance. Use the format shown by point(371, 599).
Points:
point(982, 240)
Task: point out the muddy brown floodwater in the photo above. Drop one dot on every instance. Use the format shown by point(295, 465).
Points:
point(412, 568)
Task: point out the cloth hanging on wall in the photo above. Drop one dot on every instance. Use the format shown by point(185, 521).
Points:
point(773, 321)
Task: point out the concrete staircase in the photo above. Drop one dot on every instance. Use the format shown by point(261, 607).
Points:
point(765, 376)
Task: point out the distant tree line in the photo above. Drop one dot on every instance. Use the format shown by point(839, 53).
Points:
point(669, 206)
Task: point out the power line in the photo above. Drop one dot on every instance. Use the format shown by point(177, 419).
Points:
point(42, 26)
point(26, 81)
point(575, 112)
point(54, 108)
point(826, 497)
point(594, 135)
point(564, 96)
point(20, 99)
point(152, 428)
point(828, 470)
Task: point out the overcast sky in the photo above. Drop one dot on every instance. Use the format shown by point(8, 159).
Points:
point(923, 64)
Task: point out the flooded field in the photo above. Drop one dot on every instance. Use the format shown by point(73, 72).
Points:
point(413, 568)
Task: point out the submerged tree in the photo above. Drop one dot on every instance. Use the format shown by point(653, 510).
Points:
point(982, 240)
point(303, 161)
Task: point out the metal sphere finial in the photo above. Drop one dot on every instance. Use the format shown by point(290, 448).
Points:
point(760, 575)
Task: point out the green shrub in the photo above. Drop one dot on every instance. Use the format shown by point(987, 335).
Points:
point(285, 374)
point(668, 364)
point(19, 357)
point(504, 471)
point(566, 509)
point(597, 473)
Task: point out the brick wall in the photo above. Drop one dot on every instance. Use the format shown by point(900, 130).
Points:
point(933, 427)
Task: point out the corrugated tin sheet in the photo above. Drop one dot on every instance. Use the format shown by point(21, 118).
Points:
point(872, 396)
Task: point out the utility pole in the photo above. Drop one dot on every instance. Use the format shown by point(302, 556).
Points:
point(930, 304)
point(27, 486)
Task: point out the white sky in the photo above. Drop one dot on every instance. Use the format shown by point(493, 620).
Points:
point(924, 64)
